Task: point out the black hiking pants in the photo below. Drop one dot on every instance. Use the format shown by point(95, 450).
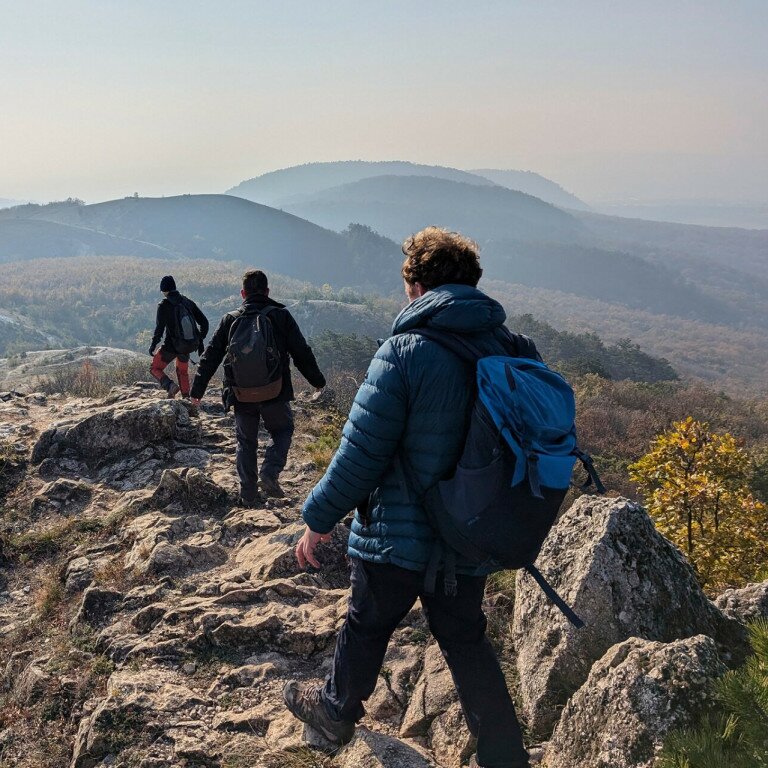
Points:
point(381, 597)
point(278, 421)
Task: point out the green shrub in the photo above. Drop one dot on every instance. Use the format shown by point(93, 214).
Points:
point(736, 735)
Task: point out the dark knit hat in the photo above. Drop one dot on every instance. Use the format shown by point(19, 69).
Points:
point(168, 283)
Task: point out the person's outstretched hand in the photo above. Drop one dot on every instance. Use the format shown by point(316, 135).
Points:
point(305, 549)
point(195, 400)
point(151, 351)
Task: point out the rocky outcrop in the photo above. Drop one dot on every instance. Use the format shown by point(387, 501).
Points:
point(375, 750)
point(624, 579)
point(175, 617)
point(745, 604)
point(634, 696)
point(108, 434)
point(138, 708)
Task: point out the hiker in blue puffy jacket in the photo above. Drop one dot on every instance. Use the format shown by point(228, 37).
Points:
point(405, 431)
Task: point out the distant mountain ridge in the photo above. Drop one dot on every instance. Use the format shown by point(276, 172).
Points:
point(396, 206)
point(534, 184)
point(286, 184)
point(190, 226)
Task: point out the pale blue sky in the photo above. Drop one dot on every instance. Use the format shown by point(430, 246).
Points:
point(611, 99)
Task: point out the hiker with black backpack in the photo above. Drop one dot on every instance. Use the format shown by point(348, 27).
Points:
point(185, 327)
point(457, 454)
point(256, 343)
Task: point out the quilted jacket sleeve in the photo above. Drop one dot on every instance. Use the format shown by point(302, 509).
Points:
point(368, 443)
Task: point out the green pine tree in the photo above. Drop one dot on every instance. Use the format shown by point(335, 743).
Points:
point(737, 735)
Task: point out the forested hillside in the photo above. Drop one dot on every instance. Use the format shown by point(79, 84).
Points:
point(696, 296)
point(288, 184)
point(111, 302)
point(395, 206)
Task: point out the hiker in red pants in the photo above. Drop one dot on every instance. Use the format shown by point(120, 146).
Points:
point(185, 327)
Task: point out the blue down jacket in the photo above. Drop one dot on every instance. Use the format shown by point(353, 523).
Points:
point(413, 405)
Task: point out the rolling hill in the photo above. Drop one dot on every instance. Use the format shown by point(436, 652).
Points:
point(534, 184)
point(279, 187)
point(22, 239)
point(190, 226)
point(396, 206)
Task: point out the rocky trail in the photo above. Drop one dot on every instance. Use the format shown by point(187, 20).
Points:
point(147, 620)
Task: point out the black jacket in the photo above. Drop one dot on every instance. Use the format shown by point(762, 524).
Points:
point(165, 320)
point(290, 344)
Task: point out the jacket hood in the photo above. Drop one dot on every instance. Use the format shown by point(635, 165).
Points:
point(455, 308)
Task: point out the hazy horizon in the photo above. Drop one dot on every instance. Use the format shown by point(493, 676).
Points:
point(634, 103)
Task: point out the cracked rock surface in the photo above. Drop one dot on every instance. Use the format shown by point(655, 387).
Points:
point(148, 620)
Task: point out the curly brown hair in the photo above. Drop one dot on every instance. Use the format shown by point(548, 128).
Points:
point(437, 256)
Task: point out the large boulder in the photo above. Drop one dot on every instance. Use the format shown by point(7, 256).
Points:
point(113, 431)
point(622, 577)
point(375, 750)
point(745, 604)
point(636, 694)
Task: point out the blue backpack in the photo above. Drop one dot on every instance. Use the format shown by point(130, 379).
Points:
point(515, 469)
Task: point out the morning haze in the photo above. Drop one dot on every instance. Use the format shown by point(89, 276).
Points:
point(615, 102)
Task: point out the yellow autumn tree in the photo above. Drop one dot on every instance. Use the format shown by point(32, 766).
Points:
point(696, 484)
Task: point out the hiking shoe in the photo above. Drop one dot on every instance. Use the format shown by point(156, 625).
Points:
point(173, 390)
point(248, 503)
point(271, 487)
point(306, 703)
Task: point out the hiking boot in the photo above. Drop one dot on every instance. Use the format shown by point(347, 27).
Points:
point(173, 390)
point(306, 703)
point(271, 487)
point(248, 503)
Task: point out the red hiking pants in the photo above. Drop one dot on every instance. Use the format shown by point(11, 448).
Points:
point(163, 357)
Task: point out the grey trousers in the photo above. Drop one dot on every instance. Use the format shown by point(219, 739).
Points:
point(278, 421)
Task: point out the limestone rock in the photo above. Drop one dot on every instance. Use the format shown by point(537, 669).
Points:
point(624, 579)
point(31, 684)
point(139, 707)
point(97, 605)
point(398, 678)
point(375, 750)
point(450, 739)
point(274, 555)
point(189, 488)
point(745, 604)
point(62, 495)
point(434, 694)
point(192, 457)
point(79, 575)
point(111, 432)
point(638, 692)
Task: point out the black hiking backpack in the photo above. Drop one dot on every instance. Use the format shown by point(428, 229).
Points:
point(185, 334)
point(253, 364)
point(502, 499)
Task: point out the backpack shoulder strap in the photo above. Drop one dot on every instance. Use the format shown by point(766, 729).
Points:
point(518, 344)
point(235, 314)
point(453, 342)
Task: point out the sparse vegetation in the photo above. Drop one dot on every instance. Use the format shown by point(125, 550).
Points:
point(45, 543)
point(734, 734)
point(327, 434)
point(50, 594)
point(88, 380)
